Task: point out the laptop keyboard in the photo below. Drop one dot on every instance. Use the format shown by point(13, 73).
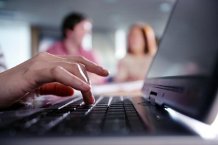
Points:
point(108, 116)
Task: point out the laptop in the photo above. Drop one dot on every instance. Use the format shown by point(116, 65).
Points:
point(182, 77)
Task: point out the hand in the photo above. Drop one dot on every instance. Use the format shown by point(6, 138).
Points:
point(34, 74)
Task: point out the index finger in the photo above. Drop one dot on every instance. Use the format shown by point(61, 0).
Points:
point(89, 65)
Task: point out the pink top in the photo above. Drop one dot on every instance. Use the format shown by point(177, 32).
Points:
point(58, 48)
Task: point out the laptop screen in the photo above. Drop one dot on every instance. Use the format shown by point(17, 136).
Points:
point(190, 43)
point(184, 72)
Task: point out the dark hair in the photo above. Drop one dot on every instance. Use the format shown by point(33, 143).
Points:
point(70, 21)
point(146, 50)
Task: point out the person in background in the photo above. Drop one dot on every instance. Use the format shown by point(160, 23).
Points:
point(2, 62)
point(141, 48)
point(75, 27)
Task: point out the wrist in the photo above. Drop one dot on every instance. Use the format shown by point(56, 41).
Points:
point(14, 88)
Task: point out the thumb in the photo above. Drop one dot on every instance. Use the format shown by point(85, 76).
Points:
point(56, 89)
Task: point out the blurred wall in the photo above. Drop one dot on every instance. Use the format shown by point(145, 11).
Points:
point(15, 42)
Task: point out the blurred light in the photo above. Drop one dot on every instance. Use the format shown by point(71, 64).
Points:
point(87, 42)
point(15, 41)
point(88, 26)
point(120, 43)
point(204, 130)
point(45, 44)
point(215, 124)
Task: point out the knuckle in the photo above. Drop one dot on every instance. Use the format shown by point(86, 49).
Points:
point(76, 65)
point(81, 58)
point(42, 55)
point(79, 66)
point(55, 70)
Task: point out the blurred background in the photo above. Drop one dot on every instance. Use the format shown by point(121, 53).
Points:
point(27, 27)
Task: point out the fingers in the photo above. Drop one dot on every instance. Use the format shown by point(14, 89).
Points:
point(46, 68)
point(63, 76)
point(76, 70)
point(69, 71)
point(55, 89)
point(90, 66)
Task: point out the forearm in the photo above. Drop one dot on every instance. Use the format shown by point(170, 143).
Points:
point(13, 87)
